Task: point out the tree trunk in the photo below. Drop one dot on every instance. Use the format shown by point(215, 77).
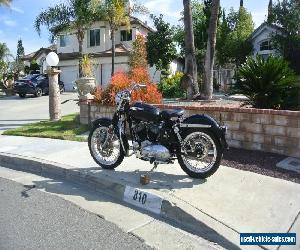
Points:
point(80, 37)
point(80, 58)
point(210, 51)
point(113, 51)
point(54, 95)
point(190, 58)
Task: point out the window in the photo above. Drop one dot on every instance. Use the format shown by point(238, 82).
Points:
point(41, 78)
point(63, 40)
point(126, 35)
point(266, 45)
point(94, 38)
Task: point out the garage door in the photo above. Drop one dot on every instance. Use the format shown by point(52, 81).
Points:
point(68, 75)
point(106, 72)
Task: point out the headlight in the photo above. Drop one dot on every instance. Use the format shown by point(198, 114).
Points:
point(122, 95)
point(118, 98)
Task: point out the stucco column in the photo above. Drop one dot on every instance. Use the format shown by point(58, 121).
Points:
point(54, 95)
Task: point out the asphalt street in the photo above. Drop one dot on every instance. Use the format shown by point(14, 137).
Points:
point(31, 219)
point(15, 111)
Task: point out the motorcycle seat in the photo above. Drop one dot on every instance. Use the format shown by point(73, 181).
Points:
point(170, 113)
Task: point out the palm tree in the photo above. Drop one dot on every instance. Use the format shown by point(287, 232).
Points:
point(4, 52)
point(190, 58)
point(5, 56)
point(5, 2)
point(117, 13)
point(73, 16)
point(210, 51)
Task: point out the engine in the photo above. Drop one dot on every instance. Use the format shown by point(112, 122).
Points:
point(147, 131)
point(148, 146)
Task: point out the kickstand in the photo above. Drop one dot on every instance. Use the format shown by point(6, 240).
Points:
point(145, 179)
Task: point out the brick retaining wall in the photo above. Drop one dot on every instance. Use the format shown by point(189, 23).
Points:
point(276, 131)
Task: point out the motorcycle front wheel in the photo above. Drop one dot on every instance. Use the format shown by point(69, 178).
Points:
point(201, 154)
point(105, 147)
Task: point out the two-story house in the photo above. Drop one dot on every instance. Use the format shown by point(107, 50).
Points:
point(261, 40)
point(97, 43)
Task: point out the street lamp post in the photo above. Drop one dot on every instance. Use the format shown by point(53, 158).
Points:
point(54, 91)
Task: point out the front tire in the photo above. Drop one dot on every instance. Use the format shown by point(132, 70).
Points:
point(104, 156)
point(206, 150)
point(22, 95)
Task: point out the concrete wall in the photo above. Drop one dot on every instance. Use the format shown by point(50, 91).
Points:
point(255, 129)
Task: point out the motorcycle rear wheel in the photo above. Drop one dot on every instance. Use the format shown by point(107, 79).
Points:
point(107, 156)
point(203, 148)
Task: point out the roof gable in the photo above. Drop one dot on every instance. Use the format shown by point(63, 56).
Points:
point(36, 54)
point(264, 27)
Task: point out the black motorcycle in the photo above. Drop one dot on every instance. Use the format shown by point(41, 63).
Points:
point(158, 136)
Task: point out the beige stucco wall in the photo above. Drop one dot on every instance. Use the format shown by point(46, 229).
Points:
point(105, 41)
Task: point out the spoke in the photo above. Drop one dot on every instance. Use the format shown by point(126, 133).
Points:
point(111, 152)
point(205, 144)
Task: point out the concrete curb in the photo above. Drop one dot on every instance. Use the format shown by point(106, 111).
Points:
point(111, 187)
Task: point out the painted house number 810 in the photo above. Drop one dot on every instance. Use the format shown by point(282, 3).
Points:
point(140, 197)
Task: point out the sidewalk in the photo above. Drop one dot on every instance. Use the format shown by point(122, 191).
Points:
point(218, 209)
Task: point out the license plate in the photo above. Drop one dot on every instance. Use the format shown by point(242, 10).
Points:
point(142, 199)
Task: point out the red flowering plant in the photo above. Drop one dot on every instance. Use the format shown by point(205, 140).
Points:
point(122, 80)
point(138, 73)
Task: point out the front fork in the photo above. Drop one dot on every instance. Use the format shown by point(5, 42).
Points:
point(122, 133)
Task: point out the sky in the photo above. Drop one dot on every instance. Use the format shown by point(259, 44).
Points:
point(17, 22)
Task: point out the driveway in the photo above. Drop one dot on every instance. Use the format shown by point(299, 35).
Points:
point(15, 111)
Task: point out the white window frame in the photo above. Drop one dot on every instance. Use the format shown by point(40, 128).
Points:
point(127, 31)
point(89, 38)
point(66, 40)
point(269, 45)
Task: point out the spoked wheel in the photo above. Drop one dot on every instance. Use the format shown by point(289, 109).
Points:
point(105, 147)
point(202, 154)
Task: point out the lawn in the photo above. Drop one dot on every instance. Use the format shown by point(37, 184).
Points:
point(69, 128)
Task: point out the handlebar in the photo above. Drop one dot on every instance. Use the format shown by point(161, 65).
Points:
point(137, 86)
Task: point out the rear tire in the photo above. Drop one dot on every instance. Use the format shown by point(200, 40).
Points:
point(216, 164)
point(22, 95)
point(94, 150)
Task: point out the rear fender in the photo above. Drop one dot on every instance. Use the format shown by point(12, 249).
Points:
point(206, 122)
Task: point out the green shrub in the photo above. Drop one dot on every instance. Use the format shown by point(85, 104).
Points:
point(170, 86)
point(268, 83)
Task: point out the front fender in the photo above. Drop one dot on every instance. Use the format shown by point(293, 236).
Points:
point(102, 122)
point(206, 122)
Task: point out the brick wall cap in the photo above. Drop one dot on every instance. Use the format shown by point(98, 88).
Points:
point(214, 108)
point(235, 110)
